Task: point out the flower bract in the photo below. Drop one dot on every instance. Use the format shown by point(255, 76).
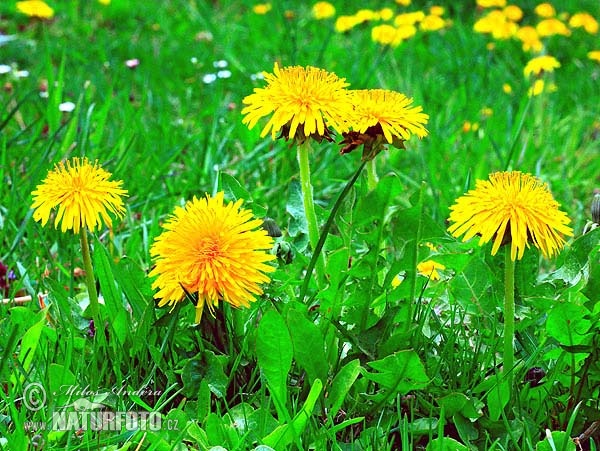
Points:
point(214, 250)
point(83, 194)
point(511, 207)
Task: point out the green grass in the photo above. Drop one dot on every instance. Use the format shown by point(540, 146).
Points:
point(356, 365)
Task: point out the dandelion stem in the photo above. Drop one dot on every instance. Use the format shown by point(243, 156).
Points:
point(328, 225)
point(372, 178)
point(509, 316)
point(90, 280)
point(309, 207)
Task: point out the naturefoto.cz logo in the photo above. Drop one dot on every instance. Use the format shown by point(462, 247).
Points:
point(85, 415)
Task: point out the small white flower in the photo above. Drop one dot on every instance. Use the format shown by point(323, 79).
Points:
point(220, 64)
point(44, 94)
point(21, 73)
point(5, 68)
point(194, 60)
point(132, 63)
point(257, 76)
point(209, 78)
point(66, 107)
point(224, 74)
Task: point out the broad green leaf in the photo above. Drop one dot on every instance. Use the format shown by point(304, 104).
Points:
point(274, 352)
point(399, 373)
point(60, 380)
point(445, 444)
point(285, 434)
point(29, 345)
point(205, 367)
point(295, 208)
point(232, 188)
point(497, 399)
point(118, 318)
point(567, 324)
point(309, 346)
point(556, 441)
point(340, 386)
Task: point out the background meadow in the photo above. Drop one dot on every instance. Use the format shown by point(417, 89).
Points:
point(384, 357)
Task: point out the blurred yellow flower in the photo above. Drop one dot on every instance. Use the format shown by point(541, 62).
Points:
point(594, 55)
point(104, 2)
point(386, 14)
point(437, 10)
point(345, 23)
point(432, 23)
point(513, 12)
point(35, 8)
point(496, 24)
point(545, 10)
point(386, 35)
point(491, 3)
point(214, 250)
point(507, 88)
point(323, 10)
point(539, 64)
point(403, 2)
point(584, 20)
point(303, 101)
point(83, 194)
point(551, 27)
point(530, 39)
point(409, 18)
point(429, 269)
point(262, 8)
point(539, 86)
point(511, 207)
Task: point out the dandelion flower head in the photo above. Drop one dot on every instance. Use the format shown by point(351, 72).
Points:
point(511, 207)
point(83, 194)
point(35, 8)
point(214, 250)
point(323, 10)
point(307, 100)
point(391, 112)
point(539, 64)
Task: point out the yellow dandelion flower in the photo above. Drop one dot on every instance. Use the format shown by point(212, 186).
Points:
point(409, 18)
point(261, 8)
point(214, 250)
point(539, 64)
point(511, 207)
point(585, 21)
point(545, 10)
point(35, 8)
point(83, 194)
point(513, 12)
point(507, 88)
point(323, 10)
point(539, 86)
point(594, 55)
point(491, 3)
point(386, 35)
point(437, 10)
point(429, 269)
point(404, 2)
point(530, 39)
point(382, 116)
point(432, 23)
point(345, 23)
point(390, 112)
point(386, 14)
point(551, 27)
point(104, 2)
point(307, 100)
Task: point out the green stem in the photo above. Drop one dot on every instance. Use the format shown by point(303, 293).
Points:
point(509, 317)
point(372, 178)
point(90, 281)
point(327, 226)
point(309, 208)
